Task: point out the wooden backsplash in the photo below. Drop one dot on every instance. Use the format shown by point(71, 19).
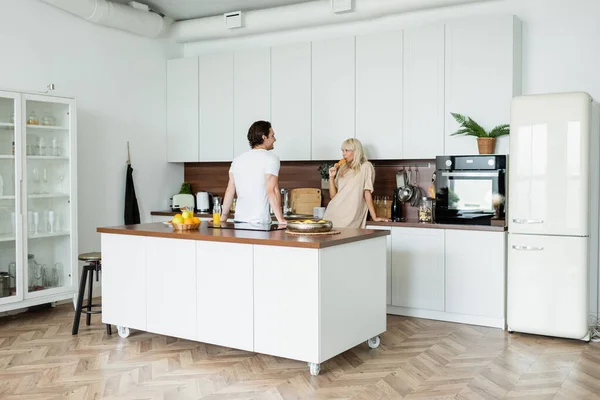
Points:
point(212, 177)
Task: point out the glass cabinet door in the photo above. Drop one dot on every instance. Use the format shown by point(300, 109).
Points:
point(11, 287)
point(47, 173)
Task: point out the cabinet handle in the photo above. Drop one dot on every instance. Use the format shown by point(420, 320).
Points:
point(527, 248)
point(527, 221)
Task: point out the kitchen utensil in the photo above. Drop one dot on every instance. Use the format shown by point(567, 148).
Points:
point(313, 226)
point(417, 191)
point(304, 200)
point(405, 192)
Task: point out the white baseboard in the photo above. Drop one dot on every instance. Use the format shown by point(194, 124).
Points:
point(449, 317)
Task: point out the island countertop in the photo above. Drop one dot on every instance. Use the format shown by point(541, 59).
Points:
point(272, 238)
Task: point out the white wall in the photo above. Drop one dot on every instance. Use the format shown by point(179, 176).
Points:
point(119, 82)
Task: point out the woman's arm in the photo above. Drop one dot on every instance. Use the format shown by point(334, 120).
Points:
point(369, 200)
point(228, 198)
point(332, 188)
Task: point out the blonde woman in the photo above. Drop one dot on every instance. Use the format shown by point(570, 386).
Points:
point(350, 186)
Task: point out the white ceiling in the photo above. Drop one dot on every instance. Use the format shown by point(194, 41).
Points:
point(188, 9)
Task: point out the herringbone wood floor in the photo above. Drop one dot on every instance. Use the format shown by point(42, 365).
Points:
point(39, 359)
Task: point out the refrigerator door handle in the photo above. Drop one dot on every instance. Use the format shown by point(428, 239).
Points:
point(527, 221)
point(527, 248)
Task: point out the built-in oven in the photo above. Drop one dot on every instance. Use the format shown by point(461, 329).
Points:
point(470, 189)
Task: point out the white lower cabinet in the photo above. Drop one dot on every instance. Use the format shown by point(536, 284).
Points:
point(388, 283)
point(449, 275)
point(475, 273)
point(170, 287)
point(418, 268)
point(224, 294)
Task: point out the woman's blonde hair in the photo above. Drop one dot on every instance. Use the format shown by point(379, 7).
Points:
point(359, 154)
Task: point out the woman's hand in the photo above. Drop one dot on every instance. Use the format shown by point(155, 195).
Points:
point(381, 219)
point(332, 172)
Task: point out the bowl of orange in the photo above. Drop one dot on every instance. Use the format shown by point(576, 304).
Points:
point(185, 221)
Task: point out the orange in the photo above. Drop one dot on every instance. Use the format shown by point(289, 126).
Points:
point(196, 220)
point(177, 215)
point(188, 221)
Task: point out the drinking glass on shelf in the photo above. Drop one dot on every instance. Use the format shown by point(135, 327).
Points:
point(42, 146)
point(35, 175)
point(36, 221)
point(54, 148)
point(59, 181)
point(51, 220)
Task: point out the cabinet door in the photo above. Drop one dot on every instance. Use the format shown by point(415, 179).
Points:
point(423, 131)
point(475, 273)
point(182, 110)
point(290, 100)
point(483, 73)
point(389, 261)
point(225, 294)
point(379, 94)
point(50, 182)
point(11, 249)
point(124, 280)
point(252, 94)
point(171, 287)
point(332, 96)
point(216, 107)
point(418, 268)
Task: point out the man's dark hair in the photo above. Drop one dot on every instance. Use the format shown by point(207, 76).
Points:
point(256, 132)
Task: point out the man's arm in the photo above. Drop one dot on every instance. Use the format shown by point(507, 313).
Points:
point(228, 199)
point(275, 197)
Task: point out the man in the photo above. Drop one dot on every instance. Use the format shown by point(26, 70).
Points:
point(254, 175)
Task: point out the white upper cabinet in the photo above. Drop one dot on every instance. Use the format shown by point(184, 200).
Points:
point(333, 98)
point(483, 74)
point(216, 107)
point(290, 100)
point(182, 110)
point(252, 93)
point(379, 94)
point(423, 131)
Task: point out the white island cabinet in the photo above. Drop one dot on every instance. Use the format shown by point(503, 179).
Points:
point(299, 297)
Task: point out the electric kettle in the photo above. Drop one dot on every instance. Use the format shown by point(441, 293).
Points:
point(203, 202)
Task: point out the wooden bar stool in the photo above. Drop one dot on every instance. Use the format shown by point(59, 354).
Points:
point(94, 263)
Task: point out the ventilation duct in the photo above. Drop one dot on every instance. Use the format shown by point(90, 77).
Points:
point(298, 16)
point(114, 15)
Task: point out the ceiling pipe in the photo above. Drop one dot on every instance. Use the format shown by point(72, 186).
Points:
point(297, 16)
point(115, 15)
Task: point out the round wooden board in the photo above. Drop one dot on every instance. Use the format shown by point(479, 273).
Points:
point(312, 233)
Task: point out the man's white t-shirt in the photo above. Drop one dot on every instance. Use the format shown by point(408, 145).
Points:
point(249, 171)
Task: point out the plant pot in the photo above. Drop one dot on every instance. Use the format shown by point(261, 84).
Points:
point(486, 145)
point(325, 184)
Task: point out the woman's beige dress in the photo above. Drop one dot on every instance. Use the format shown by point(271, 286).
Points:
point(348, 209)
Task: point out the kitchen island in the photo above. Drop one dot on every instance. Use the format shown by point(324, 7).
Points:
point(306, 298)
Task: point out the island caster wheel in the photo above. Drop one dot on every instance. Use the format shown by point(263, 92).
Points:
point(374, 342)
point(123, 331)
point(315, 368)
point(53, 304)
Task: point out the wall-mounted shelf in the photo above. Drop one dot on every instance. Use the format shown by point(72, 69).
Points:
point(7, 124)
point(7, 197)
point(47, 128)
point(11, 237)
point(46, 158)
point(46, 195)
point(6, 157)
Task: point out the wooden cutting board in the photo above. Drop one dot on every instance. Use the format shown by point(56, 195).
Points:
point(304, 200)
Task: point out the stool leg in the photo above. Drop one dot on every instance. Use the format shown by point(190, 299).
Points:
point(108, 329)
point(79, 301)
point(88, 317)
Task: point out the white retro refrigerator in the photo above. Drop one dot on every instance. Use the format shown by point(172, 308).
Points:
point(552, 277)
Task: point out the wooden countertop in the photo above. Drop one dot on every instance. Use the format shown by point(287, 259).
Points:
point(273, 238)
point(487, 228)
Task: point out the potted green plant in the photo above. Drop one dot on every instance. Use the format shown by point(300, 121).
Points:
point(324, 171)
point(486, 141)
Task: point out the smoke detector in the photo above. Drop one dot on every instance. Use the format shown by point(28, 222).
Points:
point(233, 19)
point(340, 6)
